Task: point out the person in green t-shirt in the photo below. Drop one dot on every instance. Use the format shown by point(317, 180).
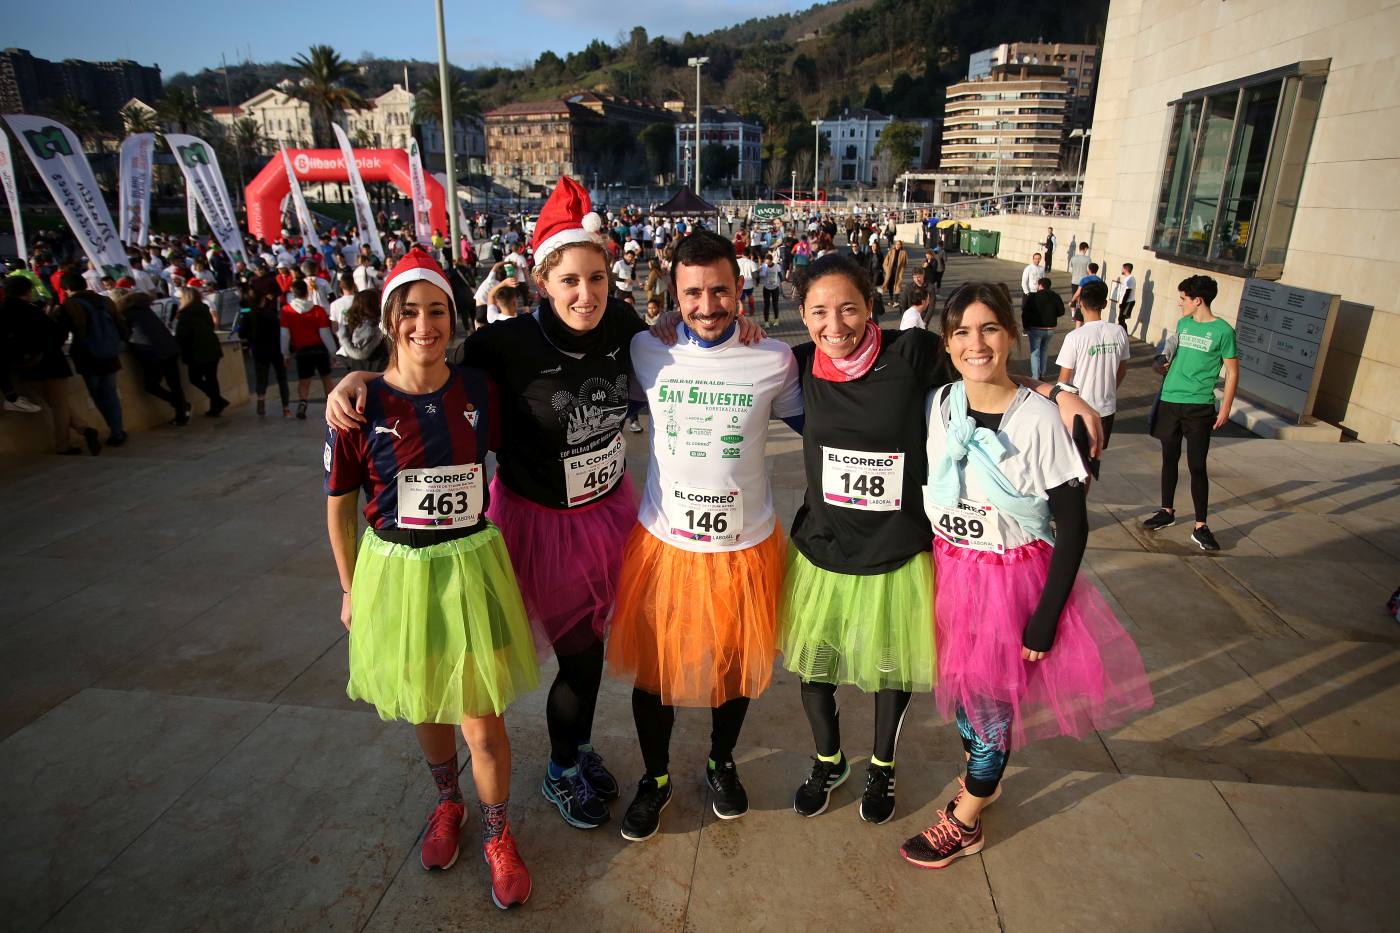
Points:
point(1204, 345)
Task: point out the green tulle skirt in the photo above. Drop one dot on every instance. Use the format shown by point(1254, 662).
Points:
point(439, 633)
point(875, 632)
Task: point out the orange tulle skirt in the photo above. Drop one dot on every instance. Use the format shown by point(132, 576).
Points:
point(697, 629)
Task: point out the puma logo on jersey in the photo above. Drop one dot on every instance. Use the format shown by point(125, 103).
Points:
point(551, 372)
point(380, 429)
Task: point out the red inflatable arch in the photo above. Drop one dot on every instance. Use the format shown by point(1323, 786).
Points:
point(265, 193)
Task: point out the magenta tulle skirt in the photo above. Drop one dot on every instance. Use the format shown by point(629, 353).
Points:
point(1092, 678)
point(567, 561)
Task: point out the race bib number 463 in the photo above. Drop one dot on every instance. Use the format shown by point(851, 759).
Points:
point(441, 497)
point(860, 479)
point(713, 517)
point(591, 476)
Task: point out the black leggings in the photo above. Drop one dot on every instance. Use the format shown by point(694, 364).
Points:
point(988, 753)
point(167, 371)
point(260, 365)
point(819, 701)
point(770, 300)
point(205, 378)
point(654, 720)
point(572, 701)
point(1197, 447)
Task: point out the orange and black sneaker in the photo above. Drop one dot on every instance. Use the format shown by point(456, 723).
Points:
point(440, 841)
point(510, 882)
point(943, 843)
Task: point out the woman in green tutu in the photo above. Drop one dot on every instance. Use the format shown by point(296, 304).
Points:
point(857, 605)
point(438, 632)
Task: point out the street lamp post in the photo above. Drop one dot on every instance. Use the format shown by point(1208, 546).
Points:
point(792, 194)
point(816, 158)
point(453, 227)
point(697, 64)
point(1083, 136)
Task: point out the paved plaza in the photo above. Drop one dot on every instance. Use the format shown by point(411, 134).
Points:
point(177, 751)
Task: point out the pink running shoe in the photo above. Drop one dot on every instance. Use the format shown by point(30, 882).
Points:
point(510, 882)
point(440, 842)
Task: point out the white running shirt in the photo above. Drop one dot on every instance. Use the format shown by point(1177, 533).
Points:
point(1094, 352)
point(707, 485)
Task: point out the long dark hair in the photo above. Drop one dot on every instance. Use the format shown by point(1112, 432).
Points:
point(994, 295)
point(364, 308)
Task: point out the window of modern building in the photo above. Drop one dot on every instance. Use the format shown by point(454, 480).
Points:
point(1232, 170)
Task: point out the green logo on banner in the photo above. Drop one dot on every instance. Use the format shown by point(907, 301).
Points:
point(769, 211)
point(194, 155)
point(48, 142)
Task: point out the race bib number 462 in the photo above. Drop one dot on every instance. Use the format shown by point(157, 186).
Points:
point(713, 517)
point(441, 497)
point(591, 476)
point(861, 479)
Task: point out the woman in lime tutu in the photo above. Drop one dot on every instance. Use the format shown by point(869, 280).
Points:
point(857, 605)
point(438, 631)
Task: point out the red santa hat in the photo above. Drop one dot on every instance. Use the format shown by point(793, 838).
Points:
point(415, 266)
point(567, 217)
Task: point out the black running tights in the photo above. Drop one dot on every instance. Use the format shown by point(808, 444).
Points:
point(988, 750)
point(1197, 447)
point(819, 701)
point(654, 721)
point(572, 700)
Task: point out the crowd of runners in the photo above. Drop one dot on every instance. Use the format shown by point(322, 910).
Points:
point(937, 548)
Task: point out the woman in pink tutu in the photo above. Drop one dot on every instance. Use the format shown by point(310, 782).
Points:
point(1026, 649)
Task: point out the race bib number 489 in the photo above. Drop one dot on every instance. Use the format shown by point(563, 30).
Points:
point(970, 525)
point(860, 479)
point(441, 497)
point(713, 517)
point(591, 476)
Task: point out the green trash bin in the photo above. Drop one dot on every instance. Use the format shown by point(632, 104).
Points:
point(992, 242)
point(978, 240)
point(965, 240)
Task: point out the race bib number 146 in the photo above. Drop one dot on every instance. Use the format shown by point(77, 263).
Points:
point(711, 518)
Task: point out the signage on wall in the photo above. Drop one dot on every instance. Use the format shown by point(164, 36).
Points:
point(1282, 335)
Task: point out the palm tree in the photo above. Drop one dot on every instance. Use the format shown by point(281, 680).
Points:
point(78, 117)
point(138, 120)
point(182, 109)
point(322, 69)
point(427, 103)
point(247, 138)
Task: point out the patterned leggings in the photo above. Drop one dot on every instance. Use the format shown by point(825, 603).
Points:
point(988, 746)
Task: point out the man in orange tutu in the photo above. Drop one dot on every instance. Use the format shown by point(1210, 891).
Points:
point(696, 617)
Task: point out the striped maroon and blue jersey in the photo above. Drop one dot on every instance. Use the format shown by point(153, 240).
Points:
point(453, 426)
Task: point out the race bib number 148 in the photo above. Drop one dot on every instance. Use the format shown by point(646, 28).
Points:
point(861, 479)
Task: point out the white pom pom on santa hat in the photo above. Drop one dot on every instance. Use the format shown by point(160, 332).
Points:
point(567, 217)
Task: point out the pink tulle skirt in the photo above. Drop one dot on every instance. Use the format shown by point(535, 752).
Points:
point(1092, 678)
point(567, 561)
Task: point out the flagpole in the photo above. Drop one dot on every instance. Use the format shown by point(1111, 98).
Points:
point(454, 247)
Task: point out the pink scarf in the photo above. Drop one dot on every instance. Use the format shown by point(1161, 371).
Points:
point(851, 367)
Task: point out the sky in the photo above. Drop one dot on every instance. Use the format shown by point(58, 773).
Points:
point(188, 37)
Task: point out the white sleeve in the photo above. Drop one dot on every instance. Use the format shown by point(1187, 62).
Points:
point(1125, 344)
point(1068, 356)
point(788, 402)
point(1056, 459)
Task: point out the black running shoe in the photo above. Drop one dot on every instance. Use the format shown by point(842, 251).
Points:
point(730, 800)
point(1204, 539)
point(590, 765)
point(813, 796)
point(943, 843)
point(1159, 519)
point(301, 411)
point(877, 803)
point(643, 815)
point(577, 803)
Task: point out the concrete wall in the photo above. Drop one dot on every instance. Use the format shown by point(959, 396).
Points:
point(1348, 220)
point(33, 434)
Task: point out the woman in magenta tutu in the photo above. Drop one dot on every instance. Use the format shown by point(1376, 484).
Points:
point(1026, 649)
